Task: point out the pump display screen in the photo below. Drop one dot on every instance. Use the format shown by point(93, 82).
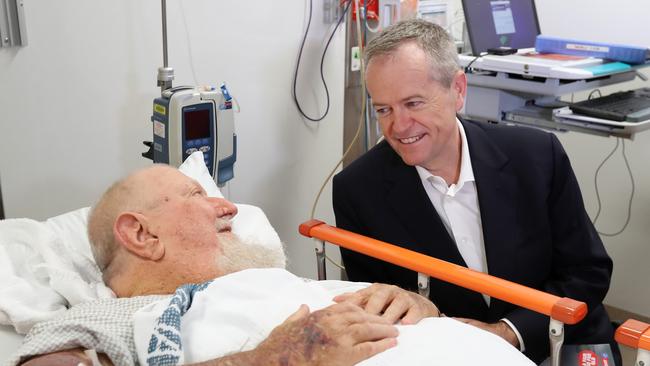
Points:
point(197, 124)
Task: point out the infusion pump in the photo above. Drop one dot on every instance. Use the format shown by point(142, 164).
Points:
point(189, 119)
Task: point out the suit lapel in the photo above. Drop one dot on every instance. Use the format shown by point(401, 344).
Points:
point(409, 202)
point(497, 188)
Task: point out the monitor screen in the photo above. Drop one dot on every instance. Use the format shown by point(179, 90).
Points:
point(197, 124)
point(500, 23)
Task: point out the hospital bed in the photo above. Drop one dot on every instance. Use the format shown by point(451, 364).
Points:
point(636, 335)
point(560, 310)
point(71, 276)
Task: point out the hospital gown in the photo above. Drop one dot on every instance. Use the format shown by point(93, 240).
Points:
point(105, 325)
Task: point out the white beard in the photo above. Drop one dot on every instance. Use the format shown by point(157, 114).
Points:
point(238, 255)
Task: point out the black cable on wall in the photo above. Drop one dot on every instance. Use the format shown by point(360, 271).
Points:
point(2, 209)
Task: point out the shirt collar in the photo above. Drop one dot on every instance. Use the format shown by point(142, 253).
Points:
point(466, 172)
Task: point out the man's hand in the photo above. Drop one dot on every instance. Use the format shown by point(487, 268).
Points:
point(499, 328)
point(392, 303)
point(341, 334)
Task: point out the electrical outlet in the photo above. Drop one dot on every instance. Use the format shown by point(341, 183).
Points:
point(355, 59)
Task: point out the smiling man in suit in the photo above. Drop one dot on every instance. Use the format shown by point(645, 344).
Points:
point(497, 199)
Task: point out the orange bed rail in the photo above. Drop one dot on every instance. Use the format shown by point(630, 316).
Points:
point(634, 334)
point(566, 310)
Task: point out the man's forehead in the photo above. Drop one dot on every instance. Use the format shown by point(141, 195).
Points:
point(191, 184)
point(176, 180)
point(159, 172)
point(164, 180)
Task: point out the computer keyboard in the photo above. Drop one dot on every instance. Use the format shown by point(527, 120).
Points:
point(628, 106)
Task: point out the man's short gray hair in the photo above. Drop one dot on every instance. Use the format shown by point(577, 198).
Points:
point(100, 225)
point(431, 38)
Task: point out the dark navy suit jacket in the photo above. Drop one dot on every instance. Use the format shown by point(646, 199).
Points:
point(535, 229)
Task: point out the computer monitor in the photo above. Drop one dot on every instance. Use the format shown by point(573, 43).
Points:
point(500, 23)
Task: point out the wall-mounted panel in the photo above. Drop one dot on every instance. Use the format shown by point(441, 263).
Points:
point(12, 23)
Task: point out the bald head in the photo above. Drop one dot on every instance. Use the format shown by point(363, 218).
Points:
point(128, 194)
point(157, 229)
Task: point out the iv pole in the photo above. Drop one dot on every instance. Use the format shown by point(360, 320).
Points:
point(165, 73)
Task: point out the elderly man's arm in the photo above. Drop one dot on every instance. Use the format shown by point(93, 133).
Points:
point(341, 334)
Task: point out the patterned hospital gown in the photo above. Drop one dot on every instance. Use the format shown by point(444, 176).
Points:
point(104, 325)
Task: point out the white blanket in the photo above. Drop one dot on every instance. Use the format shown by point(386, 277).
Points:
point(42, 271)
point(236, 312)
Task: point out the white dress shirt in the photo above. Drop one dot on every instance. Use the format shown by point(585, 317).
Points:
point(458, 208)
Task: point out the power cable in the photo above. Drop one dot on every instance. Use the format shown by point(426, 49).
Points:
point(188, 42)
point(467, 68)
point(591, 94)
point(302, 45)
point(629, 206)
point(362, 118)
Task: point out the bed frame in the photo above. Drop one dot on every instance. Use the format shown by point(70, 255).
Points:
point(636, 334)
point(560, 310)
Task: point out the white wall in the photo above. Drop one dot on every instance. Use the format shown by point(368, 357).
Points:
point(75, 103)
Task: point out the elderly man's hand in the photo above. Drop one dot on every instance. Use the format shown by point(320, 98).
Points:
point(341, 334)
point(392, 303)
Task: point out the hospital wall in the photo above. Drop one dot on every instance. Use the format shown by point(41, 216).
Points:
point(623, 21)
point(75, 102)
point(75, 105)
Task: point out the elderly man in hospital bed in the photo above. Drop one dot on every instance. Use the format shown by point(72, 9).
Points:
point(190, 291)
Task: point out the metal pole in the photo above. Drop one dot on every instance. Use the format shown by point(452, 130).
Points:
point(556, 337)
point(642, 358)
point(320, 262)
point(165, 73)
point(163, 4)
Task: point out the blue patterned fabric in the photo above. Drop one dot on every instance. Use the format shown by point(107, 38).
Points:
point(165, 344)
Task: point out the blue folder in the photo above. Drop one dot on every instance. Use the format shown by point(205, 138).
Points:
point(616, 52)
point(608, 68)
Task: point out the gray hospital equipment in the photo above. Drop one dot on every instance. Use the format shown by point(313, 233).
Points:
point(187, 119)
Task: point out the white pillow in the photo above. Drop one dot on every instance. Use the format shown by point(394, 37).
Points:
point(195, 168)
point(250, 223)
point(47, 266)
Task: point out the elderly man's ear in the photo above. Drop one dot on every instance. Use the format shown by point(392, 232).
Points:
point(133, 232)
